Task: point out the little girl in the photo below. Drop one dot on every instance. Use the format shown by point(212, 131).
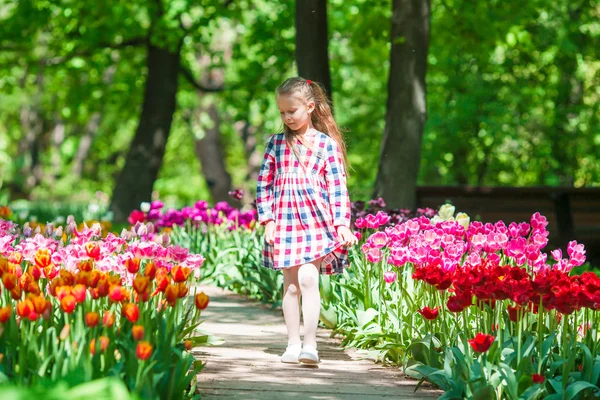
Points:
point(302, 199)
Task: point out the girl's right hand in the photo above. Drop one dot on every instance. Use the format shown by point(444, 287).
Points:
point(270, 232)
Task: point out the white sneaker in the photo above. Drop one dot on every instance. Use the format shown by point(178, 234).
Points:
point(291, 354)
point(309, 355)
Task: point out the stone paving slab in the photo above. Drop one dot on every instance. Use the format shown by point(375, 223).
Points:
point(246, 365)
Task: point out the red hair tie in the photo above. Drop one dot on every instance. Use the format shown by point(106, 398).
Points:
point(309, 81)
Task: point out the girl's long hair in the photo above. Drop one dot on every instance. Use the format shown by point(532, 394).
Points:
point(321, 117)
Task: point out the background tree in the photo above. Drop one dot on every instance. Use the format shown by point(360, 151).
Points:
point(400, 153)
point(312, 41)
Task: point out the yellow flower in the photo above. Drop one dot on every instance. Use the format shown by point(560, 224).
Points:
point(463, 219)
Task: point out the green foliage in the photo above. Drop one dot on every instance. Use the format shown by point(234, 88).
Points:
point(512, 90)
point(233, 260)
point(99, 389)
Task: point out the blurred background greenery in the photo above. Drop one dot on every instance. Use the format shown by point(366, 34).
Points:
point(513, 90)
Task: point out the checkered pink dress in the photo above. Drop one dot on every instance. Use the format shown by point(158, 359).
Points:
point(307, 204)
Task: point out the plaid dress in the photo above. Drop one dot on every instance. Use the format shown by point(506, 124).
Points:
point(307, 203)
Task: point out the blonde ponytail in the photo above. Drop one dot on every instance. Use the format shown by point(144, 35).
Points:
point(321, 117)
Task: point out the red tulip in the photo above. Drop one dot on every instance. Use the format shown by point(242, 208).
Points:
point(92, 249)
point(79, 293)
point(24, 308)
point(180, 274)
point(537, 378)
point(162, 280)
point(9, 280)
point(116, 294)
point(150, 270)
point(62, 292)
point(481, 342)
point(132, 264)
point(50, 271)
point(143, 350)
point(131, 312)
point(68, 303)
point(429, 313)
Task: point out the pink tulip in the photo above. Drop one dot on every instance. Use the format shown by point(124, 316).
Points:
point(378, 239)
point(389, 276)
point(374, 255)
point(360, 223)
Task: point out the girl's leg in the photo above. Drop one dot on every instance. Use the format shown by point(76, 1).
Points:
point(291, 304)
point(308, 276)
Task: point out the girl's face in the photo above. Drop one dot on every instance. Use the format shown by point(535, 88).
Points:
point(294, 112)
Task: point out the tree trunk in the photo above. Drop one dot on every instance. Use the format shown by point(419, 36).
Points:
point(147, 150)
point(92, 126)
point(400, 153)
point(254, 157)
point(85, 143)
point(312, 40)
point(212, 159)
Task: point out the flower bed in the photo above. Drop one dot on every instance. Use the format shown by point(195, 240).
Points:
point(77, 306)
point(480, 310)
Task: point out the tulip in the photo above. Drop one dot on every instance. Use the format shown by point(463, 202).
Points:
point(171, 294)
point(79, 293)
point(116, 294)
point(131, 312)
point(39, 303)
point(24, 308)
point(141, 283)
point(92, 250)
point(132, 265)
point(429, 313)
point(16, 293)
point(143, 350)
point(68, 303)
point(108, 319)
point(62, 292)
point(150, 270)
point(202, 301)
point(137, 331)
point(180, 274)
point(182, 290)
point(9, 280)
point(537, 378)
point(187, 344)
point(104, 341)
point(389, 276)
point(92, 319)
point(86, 265)
point(42, 258)
point(5, 313)
point(481, 342)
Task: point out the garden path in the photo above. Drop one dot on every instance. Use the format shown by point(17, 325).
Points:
point(247, 366)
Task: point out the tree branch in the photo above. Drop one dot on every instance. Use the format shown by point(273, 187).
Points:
point(190, 78)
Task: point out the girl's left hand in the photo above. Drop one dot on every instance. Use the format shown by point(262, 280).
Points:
point(347, 238)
